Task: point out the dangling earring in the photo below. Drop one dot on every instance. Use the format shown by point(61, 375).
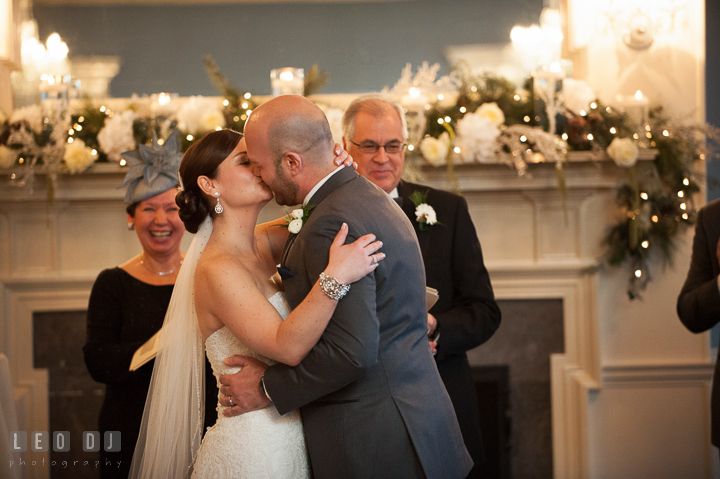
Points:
point(218, 207)
point(131, 226)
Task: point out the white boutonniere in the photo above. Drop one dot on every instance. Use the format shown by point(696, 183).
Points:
point(424, 213)
point(297, 218)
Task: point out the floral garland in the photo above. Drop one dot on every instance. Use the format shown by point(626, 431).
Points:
point(494, 121)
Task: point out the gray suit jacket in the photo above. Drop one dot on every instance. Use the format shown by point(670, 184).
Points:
point(371, 398)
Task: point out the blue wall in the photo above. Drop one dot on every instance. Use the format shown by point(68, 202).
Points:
point(363, 46)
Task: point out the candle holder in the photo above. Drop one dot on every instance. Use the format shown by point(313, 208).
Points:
point(287, 81)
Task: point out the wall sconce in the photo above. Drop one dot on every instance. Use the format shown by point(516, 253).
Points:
point(639, 22)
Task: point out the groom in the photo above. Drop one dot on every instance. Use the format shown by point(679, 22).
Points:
point(371, 398)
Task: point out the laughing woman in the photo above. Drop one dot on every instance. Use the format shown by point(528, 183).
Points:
point(128, 303)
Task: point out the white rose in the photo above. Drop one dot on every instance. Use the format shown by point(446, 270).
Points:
point(425, 213)
point(7, 157)
point(116, 137)
point(477, 138)
point(295, 226)
point(199, 115)
point(298, 213)
point(434, 150)
point(623, 151)
point(32, 115)
point(492, 112)
point(78, 157)
point(577, 95)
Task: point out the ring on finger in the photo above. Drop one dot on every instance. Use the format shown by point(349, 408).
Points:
point(374, 261)
point(231, 402)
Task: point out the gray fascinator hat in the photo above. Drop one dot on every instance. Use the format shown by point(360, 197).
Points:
point(153, 169)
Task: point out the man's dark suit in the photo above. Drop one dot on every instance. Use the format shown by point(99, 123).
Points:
point(698, 305)
point(466, 311)
point(371, 398)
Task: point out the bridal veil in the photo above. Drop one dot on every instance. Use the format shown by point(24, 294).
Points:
point(171, 429)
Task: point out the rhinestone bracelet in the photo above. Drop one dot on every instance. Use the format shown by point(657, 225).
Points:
point(332, 287)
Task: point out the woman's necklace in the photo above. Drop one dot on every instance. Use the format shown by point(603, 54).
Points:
point(159, 273)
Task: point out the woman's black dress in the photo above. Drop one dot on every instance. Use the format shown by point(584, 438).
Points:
point(123, 314)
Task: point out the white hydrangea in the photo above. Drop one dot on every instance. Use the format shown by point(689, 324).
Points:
point(7, 157)
point(477, 138)
point(492, 112)
point(32, 115)
point(577, 96)
point(199, 115)
point(435, 150)
point(78, 157)
point(116, 136)
point(623, 151)
point(425, 213)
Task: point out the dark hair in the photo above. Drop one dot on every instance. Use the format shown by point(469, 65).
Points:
point(202, 159)
point(131, 208)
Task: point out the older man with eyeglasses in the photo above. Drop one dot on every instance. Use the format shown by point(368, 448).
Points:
point(466, 314)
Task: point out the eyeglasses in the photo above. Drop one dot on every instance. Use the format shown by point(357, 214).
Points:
point(370, 147)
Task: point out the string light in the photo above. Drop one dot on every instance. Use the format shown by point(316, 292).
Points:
point(245, 106)
point(593, 105)
point(247, 95)
point(635, 135)
point(681, 194)
point(648, 134)
point(608, 109)
point(564, 136)
point(71, 131)
point(654, 219)
point(236, 118)
point(702, 156)
point(590, 136)
point(427, 107)
point(644, 195)
point(161, 142)
point(645, 244)
point(685, 216)
point(682, 206)
point(583, 113)
point(70, 140)
point(527, 119)
point(81, 119)
point(516, 98)
point(411, 147)
point(457, 149)
point(441, 96)
point(123, 162)
point(21, 160)
point(78, 127)
point(613, 130)
point(218, 128)
point(226, 103)
point(523, 138)
point(647, 128)
point(686, 182)
point(102, 108)
point(441, 121)
point(638, 273)
point(448, 119)
point(666, 133)
point(463, 109)
point(93, 152)
point(189, 138)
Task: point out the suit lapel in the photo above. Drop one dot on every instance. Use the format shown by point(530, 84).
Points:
point(405, 190)
point(339, 178)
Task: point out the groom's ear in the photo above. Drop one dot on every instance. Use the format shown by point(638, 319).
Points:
point(293, 163)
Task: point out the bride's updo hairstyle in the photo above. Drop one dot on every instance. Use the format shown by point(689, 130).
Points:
point(202, 159)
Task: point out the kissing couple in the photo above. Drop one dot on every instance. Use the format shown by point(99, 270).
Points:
point(326, 374)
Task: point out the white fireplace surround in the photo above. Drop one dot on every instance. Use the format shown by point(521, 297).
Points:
point(630, 394)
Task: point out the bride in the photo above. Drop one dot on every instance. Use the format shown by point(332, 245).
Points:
point(230, 298)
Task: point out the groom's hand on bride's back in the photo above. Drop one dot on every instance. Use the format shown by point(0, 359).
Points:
point(240, 392)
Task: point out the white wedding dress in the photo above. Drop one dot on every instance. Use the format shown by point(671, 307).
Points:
point(257, 445)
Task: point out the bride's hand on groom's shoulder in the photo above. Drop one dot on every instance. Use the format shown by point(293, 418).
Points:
point(240, 392)
point(342, 157)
